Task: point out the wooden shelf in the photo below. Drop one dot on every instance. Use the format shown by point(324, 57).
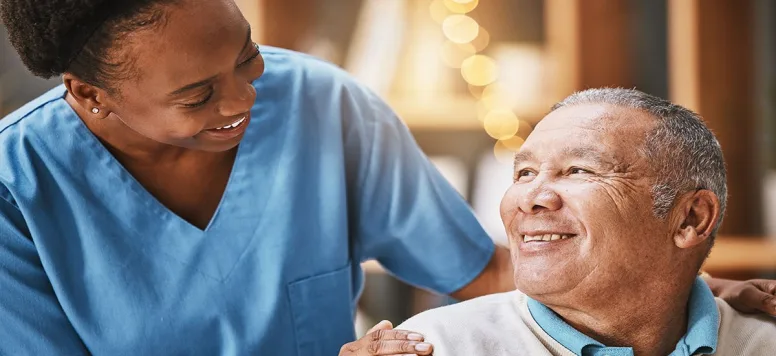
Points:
point(742, 254)
point(453, 113)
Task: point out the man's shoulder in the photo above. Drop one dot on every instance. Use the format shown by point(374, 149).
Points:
point(470, 311)
point(489, 325)
point(745, 334)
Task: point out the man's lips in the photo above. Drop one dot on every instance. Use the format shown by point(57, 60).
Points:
point(545, 237)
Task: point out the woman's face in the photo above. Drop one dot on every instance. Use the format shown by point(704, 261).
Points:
point(191, 80)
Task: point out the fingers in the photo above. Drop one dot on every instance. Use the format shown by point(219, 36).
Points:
point(765, 296)
point(398, 347)
point(383, 325)
point(383, 340)
point(378, 335)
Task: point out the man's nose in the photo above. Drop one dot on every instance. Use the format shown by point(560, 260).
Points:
point(539, 197)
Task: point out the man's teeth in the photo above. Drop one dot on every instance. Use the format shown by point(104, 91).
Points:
point(548, 237)
point(232, 125)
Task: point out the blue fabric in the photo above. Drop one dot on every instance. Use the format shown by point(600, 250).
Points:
point(701, 336)
point(326, 177)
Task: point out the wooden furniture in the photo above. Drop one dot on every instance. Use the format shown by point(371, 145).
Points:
point(742, 255)
point(712, 71)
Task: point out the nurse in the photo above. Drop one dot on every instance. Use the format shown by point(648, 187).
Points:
point(185, 192)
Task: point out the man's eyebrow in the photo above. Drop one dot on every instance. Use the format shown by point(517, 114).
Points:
point(522, 157)
point(590, 154)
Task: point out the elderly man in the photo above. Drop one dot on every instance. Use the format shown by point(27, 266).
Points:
point(617, 198)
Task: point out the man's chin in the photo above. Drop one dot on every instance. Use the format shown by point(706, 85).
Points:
point(541, 283)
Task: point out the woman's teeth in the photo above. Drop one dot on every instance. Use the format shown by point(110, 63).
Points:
point(548, 237)
point(232, 125)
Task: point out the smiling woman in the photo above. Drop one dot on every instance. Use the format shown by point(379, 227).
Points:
point(152, 203)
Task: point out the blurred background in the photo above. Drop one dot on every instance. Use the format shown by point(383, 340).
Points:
point(472, 77)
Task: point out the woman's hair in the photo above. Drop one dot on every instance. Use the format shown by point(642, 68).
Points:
point(78, 36)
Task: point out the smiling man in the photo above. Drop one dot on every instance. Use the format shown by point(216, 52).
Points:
point(617, 198)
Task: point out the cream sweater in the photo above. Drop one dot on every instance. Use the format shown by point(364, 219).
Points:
point(501, 325)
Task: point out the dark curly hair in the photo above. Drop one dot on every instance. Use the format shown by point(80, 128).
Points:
point(78, 36)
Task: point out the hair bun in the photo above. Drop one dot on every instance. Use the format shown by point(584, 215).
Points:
point(49, 34)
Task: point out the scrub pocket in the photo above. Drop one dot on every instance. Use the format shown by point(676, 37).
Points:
point(322, 312)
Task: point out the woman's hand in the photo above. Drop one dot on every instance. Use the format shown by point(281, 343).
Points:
point(752, 296)
point(383, 340)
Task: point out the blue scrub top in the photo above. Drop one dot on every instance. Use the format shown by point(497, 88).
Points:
point(326, 177)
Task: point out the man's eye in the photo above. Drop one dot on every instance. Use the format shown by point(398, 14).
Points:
point(577, 170)
point(523, 173)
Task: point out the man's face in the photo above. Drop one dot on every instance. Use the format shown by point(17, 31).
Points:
point(582, 182)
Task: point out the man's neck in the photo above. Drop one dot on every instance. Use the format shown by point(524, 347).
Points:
point(650, 319)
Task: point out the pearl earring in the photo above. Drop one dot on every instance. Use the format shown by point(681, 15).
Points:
point(95, 110)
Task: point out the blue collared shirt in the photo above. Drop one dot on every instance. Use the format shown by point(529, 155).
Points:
point(701, 336)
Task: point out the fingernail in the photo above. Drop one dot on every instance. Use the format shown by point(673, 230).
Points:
point(415, 337)
point(422, 347)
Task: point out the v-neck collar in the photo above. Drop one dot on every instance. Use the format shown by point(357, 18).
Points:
point(152, 228)
point(119, 169)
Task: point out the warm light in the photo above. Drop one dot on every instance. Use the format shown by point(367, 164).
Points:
point(513, 143)
point(453, 54)
point(438, 11)
point(461, 6)
point(460, 28)
point(501, 124)
point(494, 96)
point(479, 70)
point(503, 154)
point(476, 91)
point(482, 40)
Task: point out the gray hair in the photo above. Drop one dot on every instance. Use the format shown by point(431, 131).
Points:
point(684, 151)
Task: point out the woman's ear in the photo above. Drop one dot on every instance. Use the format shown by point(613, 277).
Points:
point(89, 97)
point(701, 211)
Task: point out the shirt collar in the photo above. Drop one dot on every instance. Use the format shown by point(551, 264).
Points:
point(701, 336)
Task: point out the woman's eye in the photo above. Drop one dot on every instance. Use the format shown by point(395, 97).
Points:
point(201, 102)
point(253, 56)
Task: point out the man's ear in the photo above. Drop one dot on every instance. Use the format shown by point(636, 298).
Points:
point(89, 97)
point(701, 211)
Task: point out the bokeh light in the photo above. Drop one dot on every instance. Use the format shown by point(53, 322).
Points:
point(438, 11)
point(503, 154)
point(453, 54)
point(513, 143)
point(479, 70)
point(501, 124)
point(461, 6)
point(476, 91)
point(495, 95)
point(482, 40)
point(460, 28)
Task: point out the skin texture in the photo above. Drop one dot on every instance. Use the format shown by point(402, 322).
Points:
point(162, 141)
point(581, 173)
